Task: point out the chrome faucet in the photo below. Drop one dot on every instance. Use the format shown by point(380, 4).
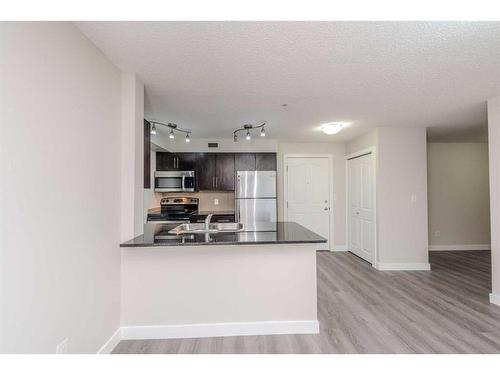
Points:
point(207, 220)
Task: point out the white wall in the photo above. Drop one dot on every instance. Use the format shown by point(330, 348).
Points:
point(494, 161)
point(337, 150)
point(367, 140)
point(256, 144)
point(132, 157)
point(401, 171)
point(458, 189)
point(218, 284)
point(401, 174)
point(59, 201)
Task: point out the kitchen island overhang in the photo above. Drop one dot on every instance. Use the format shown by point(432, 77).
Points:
point(246, 283)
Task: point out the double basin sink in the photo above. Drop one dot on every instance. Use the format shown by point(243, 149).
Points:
point(207, 228)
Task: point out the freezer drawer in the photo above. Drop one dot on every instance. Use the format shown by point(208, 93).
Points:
point(251, 212)
point(255, 184)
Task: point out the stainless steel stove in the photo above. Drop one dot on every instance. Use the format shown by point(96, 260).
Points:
point(174, 210)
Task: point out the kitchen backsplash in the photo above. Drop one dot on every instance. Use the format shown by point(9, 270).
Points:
point(226, 200)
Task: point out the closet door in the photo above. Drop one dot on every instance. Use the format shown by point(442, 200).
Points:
point(361, 214)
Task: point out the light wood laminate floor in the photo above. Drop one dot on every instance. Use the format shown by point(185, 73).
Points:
point(362, 310)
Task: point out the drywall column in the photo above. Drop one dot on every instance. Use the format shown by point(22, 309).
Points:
point(132, 164)
point(402, 199)
point(494, 157)
point(60, 118)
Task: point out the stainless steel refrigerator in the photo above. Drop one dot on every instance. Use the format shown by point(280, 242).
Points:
point(255, 199)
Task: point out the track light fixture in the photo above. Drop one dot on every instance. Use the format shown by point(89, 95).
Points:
point(249, 127)
point(173, 129)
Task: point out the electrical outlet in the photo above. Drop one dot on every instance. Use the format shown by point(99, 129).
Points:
point(62, 348)
point(437, 233)
point(413, 198)
point(216, 202)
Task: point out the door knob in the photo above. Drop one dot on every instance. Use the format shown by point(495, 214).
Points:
point(326, 208)
point(326, 201)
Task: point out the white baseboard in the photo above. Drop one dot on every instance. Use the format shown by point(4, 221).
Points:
point(220, 329)
point(459, 247)
point(340, 248)
point(108, 347)
point(495, 299)
point(403, 266)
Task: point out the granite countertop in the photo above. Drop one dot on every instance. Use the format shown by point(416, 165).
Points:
point(272, 233)
point(205, 213)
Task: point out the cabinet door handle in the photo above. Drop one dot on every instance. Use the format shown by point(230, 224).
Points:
point(213, 182)
point(216, 182)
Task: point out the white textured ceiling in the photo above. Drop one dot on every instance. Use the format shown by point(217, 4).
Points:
point(212, 77)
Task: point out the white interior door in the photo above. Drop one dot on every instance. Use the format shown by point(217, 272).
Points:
point(361, 225)
point(308, 194)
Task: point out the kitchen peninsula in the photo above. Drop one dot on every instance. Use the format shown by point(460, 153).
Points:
point(219, 284)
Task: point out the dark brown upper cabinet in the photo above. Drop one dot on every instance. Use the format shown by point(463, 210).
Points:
point(205, 171)
point(169, 161)
point(166, 161)
point(186, 161)
point(147, 154)
point(244, 162)
point(265, 161)
point(215, 171)
point(224, 171)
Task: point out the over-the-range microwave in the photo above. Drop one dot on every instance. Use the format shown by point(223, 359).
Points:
point(175, 181)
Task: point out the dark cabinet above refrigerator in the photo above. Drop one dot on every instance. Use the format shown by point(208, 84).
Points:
point(215, 171)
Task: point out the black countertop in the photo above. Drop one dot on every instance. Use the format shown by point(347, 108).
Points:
point(215, 213)
point(272, 233)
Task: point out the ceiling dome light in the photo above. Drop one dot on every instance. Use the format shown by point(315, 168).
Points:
point(171, 135)
point(262, 132)
point(332, 127)
point(248, 137)
point(153, 129)
point(187, 138)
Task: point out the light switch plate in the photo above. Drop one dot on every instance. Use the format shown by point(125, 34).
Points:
point(216, 201)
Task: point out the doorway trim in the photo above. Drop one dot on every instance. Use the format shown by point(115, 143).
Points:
point(330, 193)
point(373, 151)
